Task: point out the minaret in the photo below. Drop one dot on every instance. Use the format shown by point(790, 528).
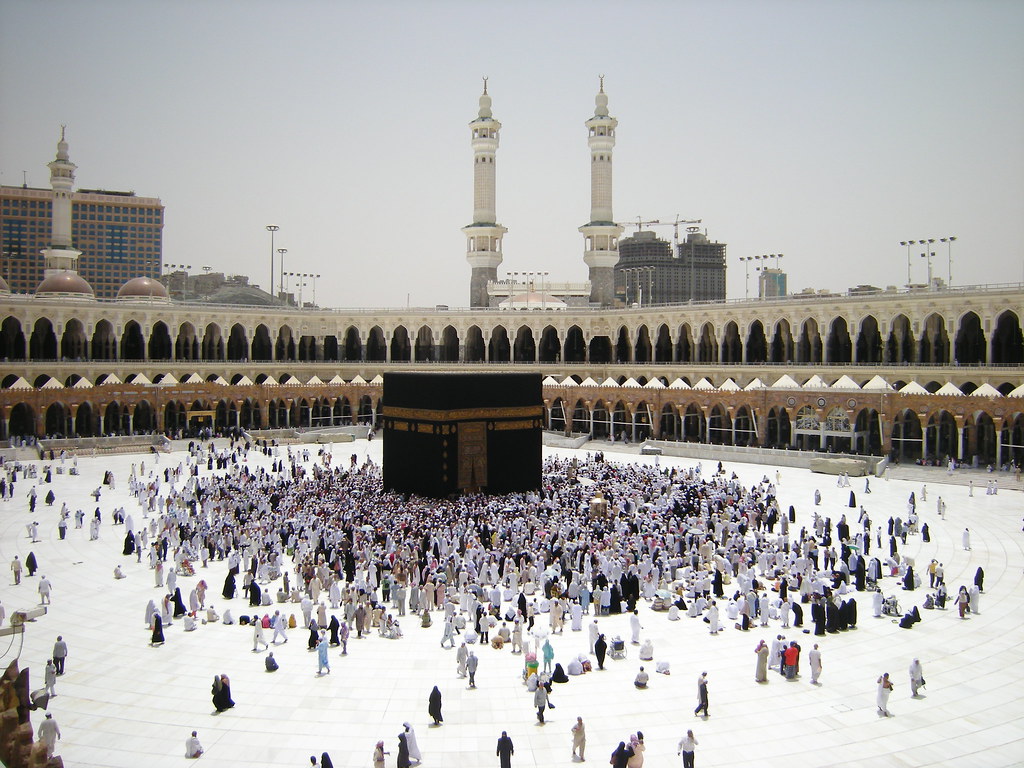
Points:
point(61, 256)
point(601, 233)
point(483, 236)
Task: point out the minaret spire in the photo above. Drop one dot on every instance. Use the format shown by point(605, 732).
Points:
point(483, 236)
point(601, 233)
point(61, 255)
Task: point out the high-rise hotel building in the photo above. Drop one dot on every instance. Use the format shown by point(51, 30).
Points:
point(119, 235)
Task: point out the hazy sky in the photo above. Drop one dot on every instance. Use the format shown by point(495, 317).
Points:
point(826, 131)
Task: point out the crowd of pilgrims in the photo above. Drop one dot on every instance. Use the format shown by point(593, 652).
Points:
point(598, 534)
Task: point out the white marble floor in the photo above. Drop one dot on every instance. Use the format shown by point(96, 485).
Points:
point(123, 703)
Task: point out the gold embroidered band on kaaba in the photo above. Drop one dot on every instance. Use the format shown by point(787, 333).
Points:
point(462, 414)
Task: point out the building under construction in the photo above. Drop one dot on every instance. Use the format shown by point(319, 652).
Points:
point(648, 272)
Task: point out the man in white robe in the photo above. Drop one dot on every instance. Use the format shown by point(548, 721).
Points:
point(193, 748)
point(48, 734)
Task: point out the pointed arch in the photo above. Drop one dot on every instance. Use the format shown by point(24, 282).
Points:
point(56, 420)
point(869, 341)
point(104, 342)
point(42, 344)
point(376, 346)
point(73, 343)
point(133, 345)
point(476, 350)
point(186, 344)
point(237, 347)
point(575, 348)
point(499, 349)
point(839, 348)
point(934, 341)
point(424, 346)
point(308, 349)
point(643, 351)
point(808, 348)
point(12, 339)
point(707, 346)
point(262, 347)
point(907, 436)
point(1007, 340)
point(160, 346)
point(284, 347)
point(550, 348)
point(756, 349)
point(732, 347)
point(623, 348)
point(214, 348)
point(744, 427)
point(401, 348)
point(684, 345)
point(448, 349)
point(525, 349)
point(663, 345)
point(900, 346)
point(970, 341)
point(782, 350)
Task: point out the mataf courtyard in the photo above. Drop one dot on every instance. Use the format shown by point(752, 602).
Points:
point(124, 703)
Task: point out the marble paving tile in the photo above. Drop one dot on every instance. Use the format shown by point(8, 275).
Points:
point(122, 703)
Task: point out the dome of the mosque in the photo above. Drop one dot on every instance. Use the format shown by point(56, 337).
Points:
point(65, 283)
point(143, 288)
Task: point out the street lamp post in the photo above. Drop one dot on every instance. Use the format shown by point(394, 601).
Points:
point(281, 252)
point(908, 243)
point(315, 278)
point(928, 253)
point(271, 228)
point(949, 256)
point(510, 286)
point(746, 276)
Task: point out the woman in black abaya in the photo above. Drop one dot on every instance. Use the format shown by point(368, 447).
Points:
point(600, 649)
point(313, 635)
point(157, 638)
point(333, 627)
point(179, 604)
point(434, 706)
point(222, 693)
point(403, 752)
point(229, 586)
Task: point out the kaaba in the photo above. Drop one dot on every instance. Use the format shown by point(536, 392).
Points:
point(448, 433)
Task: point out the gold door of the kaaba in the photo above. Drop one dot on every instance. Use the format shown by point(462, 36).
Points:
point(472, 454)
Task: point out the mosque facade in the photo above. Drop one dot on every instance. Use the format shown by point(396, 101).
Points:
point(918, 374)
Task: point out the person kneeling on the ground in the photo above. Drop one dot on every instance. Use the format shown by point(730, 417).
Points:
point(641, 679)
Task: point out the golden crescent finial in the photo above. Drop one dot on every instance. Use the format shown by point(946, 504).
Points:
point(601, 78)
point(485, 85)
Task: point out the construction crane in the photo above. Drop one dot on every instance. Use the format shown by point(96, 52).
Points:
point(675, 228)
point(639, 223)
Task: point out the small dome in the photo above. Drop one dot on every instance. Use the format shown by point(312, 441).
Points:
point(143, 288)
point(65, 283)
point(4, 287)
